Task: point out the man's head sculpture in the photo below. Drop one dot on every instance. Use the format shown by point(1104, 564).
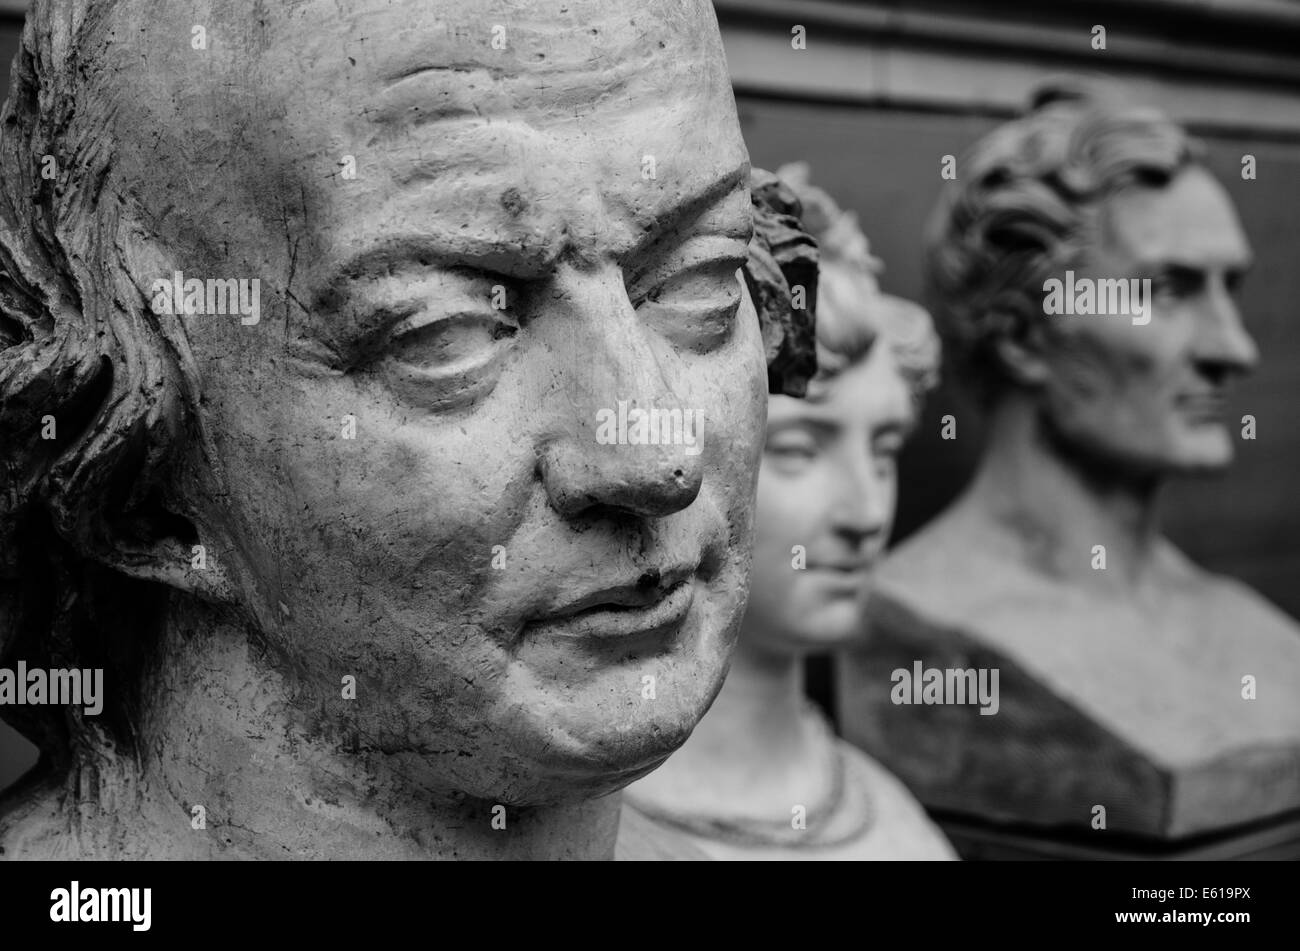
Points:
point(370, 508)
point(1088, 191)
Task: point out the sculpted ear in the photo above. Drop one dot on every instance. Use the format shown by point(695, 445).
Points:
point(1022, 356)
point(153, 542)
point(94, 465)
point(113, 483)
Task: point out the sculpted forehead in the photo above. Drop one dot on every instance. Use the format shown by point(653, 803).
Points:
point(569, 58)
point(460, 113)
point(1190, 219)
point(390, 67)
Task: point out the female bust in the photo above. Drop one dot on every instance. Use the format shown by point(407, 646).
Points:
point(763, 776)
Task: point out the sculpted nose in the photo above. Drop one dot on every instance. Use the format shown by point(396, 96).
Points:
point(1224, 345)
point(628, 443)
point(863, 500)
point(579, 479)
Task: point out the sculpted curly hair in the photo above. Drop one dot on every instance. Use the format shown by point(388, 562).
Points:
point(1027, 204)
point(852, 311)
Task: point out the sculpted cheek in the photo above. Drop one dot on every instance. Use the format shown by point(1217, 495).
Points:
point(1084, 371)
point(1088, 374)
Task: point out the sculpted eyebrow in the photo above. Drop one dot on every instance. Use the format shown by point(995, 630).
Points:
point(660, 225)
point(1174, 265)
point(822, 425)
point(894, 426)
point(487, 253)
point(522, 261)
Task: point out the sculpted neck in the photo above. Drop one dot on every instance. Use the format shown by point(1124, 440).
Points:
point(1055, 507)
point(757, 714)
point(223, 732)
point(751, 748)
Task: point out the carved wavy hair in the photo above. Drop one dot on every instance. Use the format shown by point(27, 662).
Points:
point(852, 312)
point(1027, 204)
point(84, 360)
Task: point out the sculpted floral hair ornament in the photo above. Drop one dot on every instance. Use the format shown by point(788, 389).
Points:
point(783, 256)
point(853, 311)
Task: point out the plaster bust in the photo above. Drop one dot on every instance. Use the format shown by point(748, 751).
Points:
point(1130, 679)
point(763, 776)
point(362, 578)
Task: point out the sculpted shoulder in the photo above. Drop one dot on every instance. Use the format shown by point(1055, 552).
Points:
point(33, 825)
point(965, 572)
point(1229, 609)
point(1208, 588)
point(642, 840)
point(901, 829)
point(952, 569)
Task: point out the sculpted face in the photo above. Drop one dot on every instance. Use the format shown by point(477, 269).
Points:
point(533, 234)
point(1151, 398)
point(828, 482)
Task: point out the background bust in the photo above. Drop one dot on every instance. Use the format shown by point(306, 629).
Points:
point(1123, 686)
point(430, 598)
point(763, 776)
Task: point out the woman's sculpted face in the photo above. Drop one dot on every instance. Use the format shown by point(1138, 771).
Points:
point(826, 496)
point(484, 434)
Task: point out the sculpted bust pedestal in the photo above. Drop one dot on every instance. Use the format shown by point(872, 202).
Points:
point(1131, 701)
point(1139, 694)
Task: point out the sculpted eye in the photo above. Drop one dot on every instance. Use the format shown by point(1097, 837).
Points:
point(449, 344)
point(790, 450)
point(887, 446)
point(447, 361)
point(437, 336)
point(1176, 284)
point(694, 298)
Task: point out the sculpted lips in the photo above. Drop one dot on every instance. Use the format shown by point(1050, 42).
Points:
point(847, 565)
point(1207, 406)
point(652, 607)
point(844, 574)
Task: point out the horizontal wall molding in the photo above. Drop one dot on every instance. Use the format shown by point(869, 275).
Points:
point(1222, 67)
point(975, 60)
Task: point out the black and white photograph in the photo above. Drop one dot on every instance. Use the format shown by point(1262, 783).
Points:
point(651, 430)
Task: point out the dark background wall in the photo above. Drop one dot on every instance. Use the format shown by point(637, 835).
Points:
point(884, 90)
